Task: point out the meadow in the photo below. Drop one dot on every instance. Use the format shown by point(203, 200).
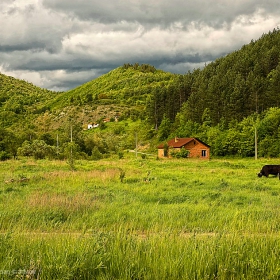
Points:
point(135, 218)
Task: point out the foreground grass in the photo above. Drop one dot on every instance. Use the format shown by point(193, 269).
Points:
point(167, 219)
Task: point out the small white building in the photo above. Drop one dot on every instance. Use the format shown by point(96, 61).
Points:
point(90, 126)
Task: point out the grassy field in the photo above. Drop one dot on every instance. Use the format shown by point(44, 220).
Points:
point(139, 219)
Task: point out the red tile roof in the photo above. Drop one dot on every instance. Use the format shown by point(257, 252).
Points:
point(179, 142)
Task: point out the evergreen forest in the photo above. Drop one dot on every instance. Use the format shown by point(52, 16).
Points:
point(223, 104)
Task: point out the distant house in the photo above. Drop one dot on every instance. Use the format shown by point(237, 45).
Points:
point(196, 148)
point(90, 126)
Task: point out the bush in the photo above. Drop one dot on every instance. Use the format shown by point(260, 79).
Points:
point(183, 153)
point(120, 154)
point(96, 155)
point(4, 156)
point(143, 156)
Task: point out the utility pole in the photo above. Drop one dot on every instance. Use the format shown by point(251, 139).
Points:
point(71, 148)
point(256, 136)
point(256, 143)
point(57, 144)
point(136, 144)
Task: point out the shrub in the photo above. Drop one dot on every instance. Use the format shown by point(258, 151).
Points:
point(96, 155)
point(4, 155)
point(183, 153)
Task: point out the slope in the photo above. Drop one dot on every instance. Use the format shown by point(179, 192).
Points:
point(19, 98)
point(242, 83)
point(127, 85)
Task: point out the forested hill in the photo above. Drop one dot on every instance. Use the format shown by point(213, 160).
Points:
point(19, 98)
point(128, 85)
point(232, 87)
point(239, 84)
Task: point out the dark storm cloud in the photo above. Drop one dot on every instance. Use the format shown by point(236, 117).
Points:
point(210, 12)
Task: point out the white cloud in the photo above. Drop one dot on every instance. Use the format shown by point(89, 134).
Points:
point(61, 44)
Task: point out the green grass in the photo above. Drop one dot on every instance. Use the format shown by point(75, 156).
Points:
point(166, 219)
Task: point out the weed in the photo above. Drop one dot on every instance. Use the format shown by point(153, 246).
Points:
point(122, 175)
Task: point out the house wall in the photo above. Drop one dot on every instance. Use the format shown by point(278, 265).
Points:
point(160, 153)
point(196, 150)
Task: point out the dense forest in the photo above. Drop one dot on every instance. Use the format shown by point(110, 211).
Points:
point(221, 104)
point(232, 87)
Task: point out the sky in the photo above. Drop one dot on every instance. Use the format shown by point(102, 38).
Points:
point(61, 44)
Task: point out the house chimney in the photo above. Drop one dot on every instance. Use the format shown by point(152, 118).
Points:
point(176, 139)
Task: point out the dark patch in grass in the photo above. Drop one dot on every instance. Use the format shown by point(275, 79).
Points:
point(224, 184)
point(9, 189)
point(262, 188)
point(174, 200)
point(56, 217)
point(212, 196)
point(241, 200)
point(132, 180)
point(197, 183)
point(274, 193)
point(234, 165)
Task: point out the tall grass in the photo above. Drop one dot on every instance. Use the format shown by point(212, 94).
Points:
point(122, 255)
point(164, 219)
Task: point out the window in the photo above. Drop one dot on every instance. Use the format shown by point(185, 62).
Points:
point(203, 153)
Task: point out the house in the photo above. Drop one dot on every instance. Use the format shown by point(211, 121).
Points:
point(196, 148)
point(90, 126)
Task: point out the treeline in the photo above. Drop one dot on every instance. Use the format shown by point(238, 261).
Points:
point(234, 139)
point(113, 138)
point(237, 138)
point(231, 88)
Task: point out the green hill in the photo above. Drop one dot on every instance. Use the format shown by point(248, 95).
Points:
point(126, 85)
point(244, 82)
point(217, 104)
point(122, 91)
point(19, 99)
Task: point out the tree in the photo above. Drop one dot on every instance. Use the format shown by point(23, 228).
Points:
point(274, 86)
point(25, 149)
point(96, 155)
point(71, 151)
point(9, 142)
point(37, 148)
point(164, 129)
point(206, 118)
point(41, 150)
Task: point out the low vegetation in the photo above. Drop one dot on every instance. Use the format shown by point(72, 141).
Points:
point(135, 218)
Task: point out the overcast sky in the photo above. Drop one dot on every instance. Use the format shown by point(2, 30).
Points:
point(61, 44)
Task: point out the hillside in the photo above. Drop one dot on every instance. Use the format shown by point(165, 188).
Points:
point(126, 85)
point(232, 87)
point(244, 82)
point(19, 99)
point(220, 104)
point(122, 91)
